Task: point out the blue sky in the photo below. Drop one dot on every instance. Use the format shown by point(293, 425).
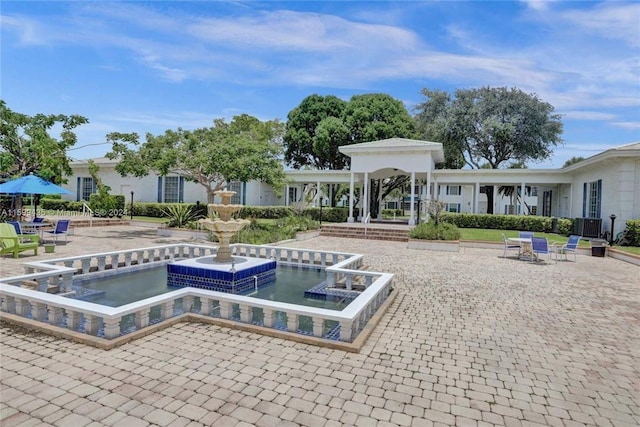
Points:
point(151, 66)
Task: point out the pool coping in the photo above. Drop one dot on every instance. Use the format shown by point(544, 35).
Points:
point(109, 344)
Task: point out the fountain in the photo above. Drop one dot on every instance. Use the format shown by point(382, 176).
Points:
point(223, 272)
point(224, 227)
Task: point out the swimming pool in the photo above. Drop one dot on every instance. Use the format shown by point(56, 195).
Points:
point(124, 287)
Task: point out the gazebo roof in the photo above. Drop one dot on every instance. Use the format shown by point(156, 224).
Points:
point(395, 145)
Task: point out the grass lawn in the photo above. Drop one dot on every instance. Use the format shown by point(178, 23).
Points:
point(496, 236)
point(629, 249)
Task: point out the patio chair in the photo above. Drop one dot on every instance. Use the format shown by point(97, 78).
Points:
point(509, 246)
point(570, 247)
point(20, 231)
point(526, 234)
point(62, 228)
point(540, 246)
point(10, 241)
point(38, 219)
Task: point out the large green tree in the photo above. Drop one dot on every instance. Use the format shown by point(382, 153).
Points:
point(302, 127)
point(28, 146)
point(321, 124)
point(245, 149)
point(498, 126)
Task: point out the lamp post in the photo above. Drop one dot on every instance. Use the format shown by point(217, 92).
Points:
point(131, 205)
point(613, 219)
point(320, 211)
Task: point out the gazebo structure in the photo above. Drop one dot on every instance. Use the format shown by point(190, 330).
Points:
point(387, 158)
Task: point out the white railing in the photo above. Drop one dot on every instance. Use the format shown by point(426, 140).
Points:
point(86, 208)
point(112, 322)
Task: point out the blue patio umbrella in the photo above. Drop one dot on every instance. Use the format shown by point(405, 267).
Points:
point(31, 184)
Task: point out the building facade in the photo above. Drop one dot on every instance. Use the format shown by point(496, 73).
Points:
point(596, 188)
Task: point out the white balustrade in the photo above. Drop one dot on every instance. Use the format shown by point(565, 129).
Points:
point(57, 310)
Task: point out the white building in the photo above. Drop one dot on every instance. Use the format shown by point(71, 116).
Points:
point(603, 185)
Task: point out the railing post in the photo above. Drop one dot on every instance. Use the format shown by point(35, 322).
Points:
point(102, 262)
point(73, 320)
point(55, 315)
point(142, 318)
point(268, 318)
point(38, 311)
point(166, 310)
point(23, 307)
point(187, 304)
point(42, 283)
point(318, 326)
point(349, 281)
point(246, 313)
point(86, 265)
point(225, 310)
point(345, 331)
point(205, 306)
point(111, 327)
point(91, 324)
point(114, 262)
point(9, 304)
point(127, 259)
point(292, 322)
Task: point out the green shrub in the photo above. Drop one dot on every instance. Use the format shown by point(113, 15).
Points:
point(180, 215)
point(542, 224)
point(633, 232)
point(328, 214)
point(431, 231)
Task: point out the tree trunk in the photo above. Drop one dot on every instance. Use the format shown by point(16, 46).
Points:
point(489, 192)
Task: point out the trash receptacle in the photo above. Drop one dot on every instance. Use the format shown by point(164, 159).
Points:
point(598, 247)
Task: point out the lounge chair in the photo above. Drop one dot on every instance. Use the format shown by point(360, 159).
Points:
point(62, 228)
point(20, 231)
point(509, 246)
point(11, 242)
point(540, 246)
point(570, 247)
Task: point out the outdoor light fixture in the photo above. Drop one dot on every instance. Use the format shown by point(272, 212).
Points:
point(320, 211)
point(613, 219)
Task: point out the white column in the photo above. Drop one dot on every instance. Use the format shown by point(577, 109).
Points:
point(286, 196)
point(361, 201)
point(476, 202)
point(412, 219)
point(365, 197)
point(318, 194)
point(429, 185)
point(350, 219)
point(522, 188)
point(495, 199)
point(379, 199)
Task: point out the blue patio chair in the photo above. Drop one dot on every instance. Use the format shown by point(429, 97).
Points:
point(570, 247)
point(38, 219)
point(509, 246)
point(62, 228)
point(22, 232)
point(540, 246)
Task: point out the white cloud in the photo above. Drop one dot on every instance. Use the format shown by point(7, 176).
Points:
point(588, 115)
point(616, 20)
point(627, 125)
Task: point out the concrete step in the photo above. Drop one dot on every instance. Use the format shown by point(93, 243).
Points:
point(365, 233)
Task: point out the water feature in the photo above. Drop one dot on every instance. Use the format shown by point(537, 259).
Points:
point(223, 272)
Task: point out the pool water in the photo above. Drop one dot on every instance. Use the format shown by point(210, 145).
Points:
point(123, 288)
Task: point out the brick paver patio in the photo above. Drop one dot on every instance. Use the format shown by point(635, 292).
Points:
point(472, 339)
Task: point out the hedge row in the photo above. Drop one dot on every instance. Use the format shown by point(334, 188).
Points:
point(541, 224)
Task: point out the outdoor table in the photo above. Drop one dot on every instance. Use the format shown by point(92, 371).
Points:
point(38, 227)
point(525, 244)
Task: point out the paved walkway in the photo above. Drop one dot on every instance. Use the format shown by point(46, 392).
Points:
point(472, 339)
